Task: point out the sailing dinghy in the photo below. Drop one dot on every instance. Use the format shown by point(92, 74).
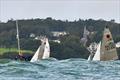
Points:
point(106, 49)
point(43, 51)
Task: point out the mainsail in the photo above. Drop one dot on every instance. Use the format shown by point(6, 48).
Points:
point(106, 49)
point(42, 52)
point(46, 50)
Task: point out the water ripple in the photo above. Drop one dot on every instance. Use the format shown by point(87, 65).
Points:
point(53, 69)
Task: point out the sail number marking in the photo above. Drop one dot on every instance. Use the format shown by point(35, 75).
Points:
point(110, 46)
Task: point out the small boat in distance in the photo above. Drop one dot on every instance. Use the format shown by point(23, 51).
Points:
point(20, 56)
point(106, 49)
point(43, 52)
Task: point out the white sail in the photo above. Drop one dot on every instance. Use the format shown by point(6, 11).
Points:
point(89, 58)
point(35, 57)
point(97, 54)
point(118, 44)
point(47, 50)
point(43, 51)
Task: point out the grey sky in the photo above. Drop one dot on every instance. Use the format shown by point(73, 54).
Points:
point(60, 9)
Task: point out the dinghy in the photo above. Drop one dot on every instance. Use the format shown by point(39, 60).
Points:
point(106, 49)
point(42, 52)
point(20, 55)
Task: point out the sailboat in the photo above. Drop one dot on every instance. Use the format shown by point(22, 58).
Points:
point(20, 55)
point(42, 52)
point(106, 49)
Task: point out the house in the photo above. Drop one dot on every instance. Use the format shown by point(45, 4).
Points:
point(59, 33)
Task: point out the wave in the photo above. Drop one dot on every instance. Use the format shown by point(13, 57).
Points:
point(52, 69)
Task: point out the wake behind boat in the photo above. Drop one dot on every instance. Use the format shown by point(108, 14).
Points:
point(106, 49)
point(43, 51)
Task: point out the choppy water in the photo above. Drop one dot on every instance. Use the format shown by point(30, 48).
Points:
point(52, 69)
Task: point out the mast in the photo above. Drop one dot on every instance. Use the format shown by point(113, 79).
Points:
point(18, 39)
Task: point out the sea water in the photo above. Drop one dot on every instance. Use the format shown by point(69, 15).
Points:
point(52, 69)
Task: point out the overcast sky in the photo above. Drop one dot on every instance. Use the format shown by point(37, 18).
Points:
point(60, 9)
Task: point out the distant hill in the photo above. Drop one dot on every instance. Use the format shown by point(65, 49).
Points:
point(69, 44)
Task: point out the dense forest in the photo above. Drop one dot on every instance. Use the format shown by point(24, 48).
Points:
point(70, 46)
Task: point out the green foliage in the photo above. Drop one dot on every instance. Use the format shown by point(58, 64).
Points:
point(70, 45)
point(5, 50)
point(29, 44)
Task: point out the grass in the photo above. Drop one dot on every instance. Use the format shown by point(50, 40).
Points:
point(5, 50)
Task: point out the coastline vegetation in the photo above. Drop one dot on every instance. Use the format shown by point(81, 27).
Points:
point(70, 46)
